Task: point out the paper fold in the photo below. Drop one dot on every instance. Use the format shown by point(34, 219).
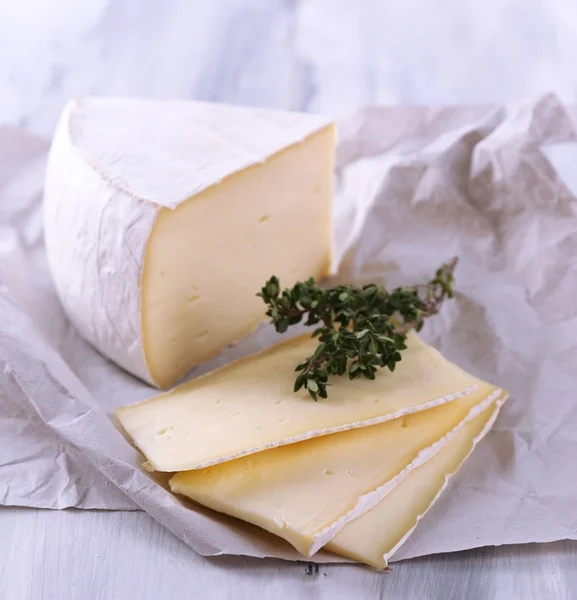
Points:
point(416, 186)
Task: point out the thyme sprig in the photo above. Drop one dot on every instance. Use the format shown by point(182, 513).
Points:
point(361, 328)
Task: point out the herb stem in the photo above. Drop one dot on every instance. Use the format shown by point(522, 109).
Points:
point(361, 329)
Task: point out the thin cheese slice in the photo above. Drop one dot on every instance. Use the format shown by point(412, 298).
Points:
point(307, 492)
point(164, 218)
point(374, 537)
point(249, 405)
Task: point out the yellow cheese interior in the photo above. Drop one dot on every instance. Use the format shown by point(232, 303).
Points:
point(249, 405)
point(298, 491)
point(206, 260)
point(374, 536)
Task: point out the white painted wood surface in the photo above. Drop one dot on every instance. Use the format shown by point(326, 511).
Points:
point(94, 555)
point(328, 56)
point(321, 55)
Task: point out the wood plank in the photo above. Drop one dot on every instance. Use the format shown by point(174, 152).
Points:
point(100, 555)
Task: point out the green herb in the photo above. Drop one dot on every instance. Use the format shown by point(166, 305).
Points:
point(362, 328)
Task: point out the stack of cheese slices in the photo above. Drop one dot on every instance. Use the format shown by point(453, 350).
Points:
point(162, 220)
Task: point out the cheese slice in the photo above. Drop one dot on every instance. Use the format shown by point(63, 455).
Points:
point(307, 492)
point(374, 537)
point(164, 218)
point(249, 405)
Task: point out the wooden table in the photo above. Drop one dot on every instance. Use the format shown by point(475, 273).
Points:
point(328, 56)
point(97, 555)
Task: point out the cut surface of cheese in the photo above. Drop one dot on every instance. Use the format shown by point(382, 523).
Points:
point(374, 537)
point(306, 492)
point(249, 405)
point(164, 218)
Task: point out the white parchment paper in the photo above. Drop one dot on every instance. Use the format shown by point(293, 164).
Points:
point(496, 186)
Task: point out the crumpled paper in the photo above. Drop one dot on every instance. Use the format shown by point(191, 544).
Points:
point(496, 186)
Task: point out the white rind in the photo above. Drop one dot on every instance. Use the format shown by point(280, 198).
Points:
point(166, 151)
point(113, 164)
point(372, 498)
point(95, 242)
point(150, 466)
point(499, 403)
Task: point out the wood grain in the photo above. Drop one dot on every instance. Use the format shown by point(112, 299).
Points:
point(100, 555)
point(330, 56)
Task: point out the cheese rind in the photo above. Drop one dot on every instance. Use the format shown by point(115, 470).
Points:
point(156, 211)
point(249, 405)
point(374, 537)
point(307, 492)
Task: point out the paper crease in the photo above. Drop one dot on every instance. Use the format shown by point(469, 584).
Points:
point(415, 186)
